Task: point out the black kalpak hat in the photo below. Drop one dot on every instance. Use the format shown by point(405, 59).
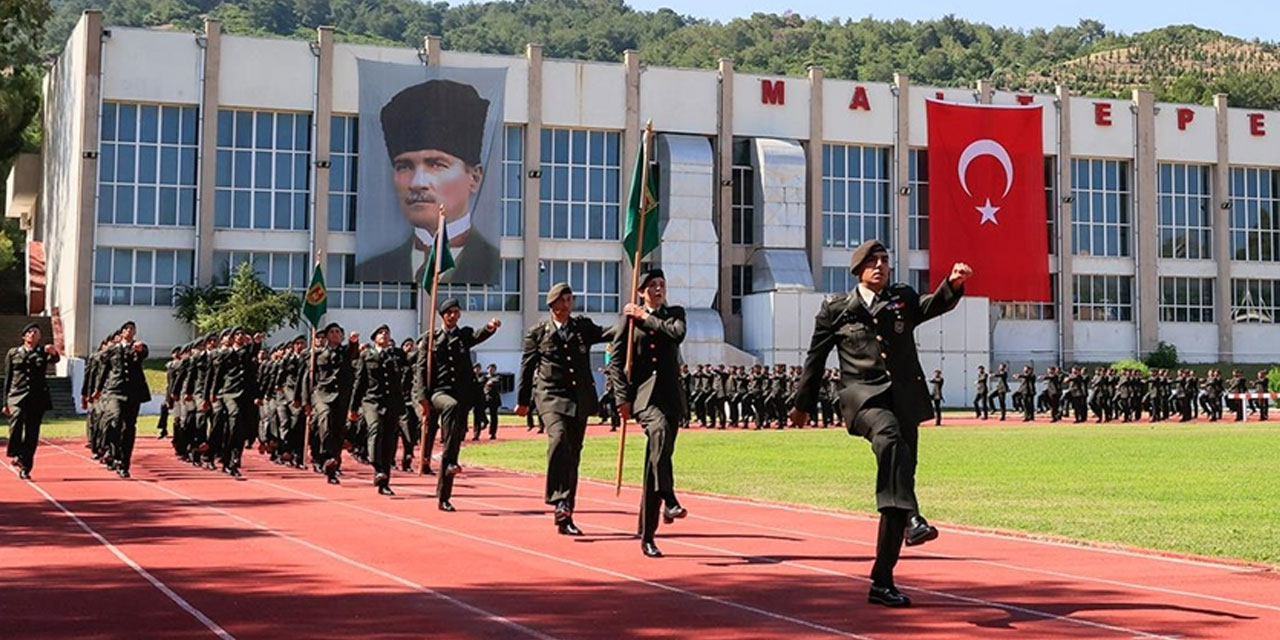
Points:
point(447, 304)
point(650, 275)
point(864, 251)
point(443, 115)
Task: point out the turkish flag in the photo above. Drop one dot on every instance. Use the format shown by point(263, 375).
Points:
point(987, 199)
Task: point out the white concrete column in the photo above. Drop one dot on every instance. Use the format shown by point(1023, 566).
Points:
point(1146, 224)
point(208, 151)
point(530, 305)
point(723, 200)
point(813, 177)
point(320, 153)
point(901, 229)
point(86, 217)
point(1222, 232)
point(630, 142)
point(1066, 285)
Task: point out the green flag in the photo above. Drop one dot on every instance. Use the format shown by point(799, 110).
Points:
point(644, 197)
point(317, 301)
point(446, 258)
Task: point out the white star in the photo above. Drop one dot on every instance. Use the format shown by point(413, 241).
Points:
point(988, 213)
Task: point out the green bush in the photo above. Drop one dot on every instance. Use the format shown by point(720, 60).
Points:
point(1274, 376)
point(1164, 357)
point(1122, 365)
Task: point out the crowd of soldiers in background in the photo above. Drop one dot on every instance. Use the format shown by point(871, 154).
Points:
point(226, 391)
point(1109, 394)
point(734, 396)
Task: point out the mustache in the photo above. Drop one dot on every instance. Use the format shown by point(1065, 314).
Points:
point(419, 197)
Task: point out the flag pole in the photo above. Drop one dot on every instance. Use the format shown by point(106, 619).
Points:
point(647, 145)
point(423, 462)
point(311, 377)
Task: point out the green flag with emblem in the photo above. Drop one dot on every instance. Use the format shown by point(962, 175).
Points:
point(317, 301)
point(446, 258)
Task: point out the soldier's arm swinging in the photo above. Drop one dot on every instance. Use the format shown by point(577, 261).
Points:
point(824, 339)
point(530, 358)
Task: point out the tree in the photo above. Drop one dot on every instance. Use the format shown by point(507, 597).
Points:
point(247, 303)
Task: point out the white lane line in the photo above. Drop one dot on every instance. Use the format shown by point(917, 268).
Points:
point(941, 594)
point(990, 563)
point(573, 563)
point(123, 557)
point(487, 615)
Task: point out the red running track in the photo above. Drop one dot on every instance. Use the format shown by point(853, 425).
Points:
point(178, 552)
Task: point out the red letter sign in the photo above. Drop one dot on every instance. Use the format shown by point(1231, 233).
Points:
point(1025, 100)
point(859, 100)
point(1102, 114)
point(986, 199)
point(773, 92)
point(1185, 116)
point(1257, 124)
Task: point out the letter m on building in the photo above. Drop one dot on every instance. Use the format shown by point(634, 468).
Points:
point(773, 92)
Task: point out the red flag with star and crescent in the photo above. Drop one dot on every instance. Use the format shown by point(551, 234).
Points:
point(987, 199)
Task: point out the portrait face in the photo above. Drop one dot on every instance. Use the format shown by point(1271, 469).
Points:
point(383, 339)
point(127, 332)
point(334, 335)
point(427, 180)
point(451, 317)
point(32, 334)
point(655, 292)
point(875, 270)
point(562, 306)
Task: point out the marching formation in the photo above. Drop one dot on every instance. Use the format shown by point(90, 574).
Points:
point(1109, 395)
point(738, 397)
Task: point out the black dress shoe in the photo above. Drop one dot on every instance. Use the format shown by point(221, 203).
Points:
point(235, 472)
point(568, 528)
point(123, 473)
point(445, 505)
point(887, 596)
point(452, 470)
point(428, 471)
point(24, 474)
point(384, 490)
point(670, 514)
point(650, 549)
point(332, 478)
point(919, 531)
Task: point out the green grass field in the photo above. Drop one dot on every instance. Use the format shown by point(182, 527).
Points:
point(1202, 489)
point(1208, 490)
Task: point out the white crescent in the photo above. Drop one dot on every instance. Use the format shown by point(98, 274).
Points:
point(985, 147)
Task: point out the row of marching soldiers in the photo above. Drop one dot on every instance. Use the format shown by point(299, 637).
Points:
point(737, 397)
point(1110, 395)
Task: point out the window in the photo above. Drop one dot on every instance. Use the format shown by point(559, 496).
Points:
point(1255, 301)
point(744, 205)
point(918, 201)
point(513, 182)
point(139, 277)
point(1051, 201)
point(280, 271)
point(855, 195)
point(1186, 209)
point(1103, 298)
point(344, 145)
point(1186, 299)
point(147, 165)
point(579, 190)
point(594, 283)
point(264, 173)
point(1255, 229)
point(919, 280)
point(1020, 310)
point(1100, 213)
point(741, 285)
point(837, 280)
point(346, 293)
point(504, 296)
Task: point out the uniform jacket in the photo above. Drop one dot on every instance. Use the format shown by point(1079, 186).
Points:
point(451, 370)
point(24, 377)
point(876, 348)
point(555, 366)
point(120, 374)
point(655, 379)
point(378, 380)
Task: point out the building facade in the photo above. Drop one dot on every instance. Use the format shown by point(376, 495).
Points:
point(171, 156)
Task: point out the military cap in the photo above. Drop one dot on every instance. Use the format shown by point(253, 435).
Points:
point(865, 251)
point(380, 329)
point(650, 275)
point(443, 115)
point(558, 289)
point(331, 326)
point(447, 304)
point(129, 323)
point(30, 326)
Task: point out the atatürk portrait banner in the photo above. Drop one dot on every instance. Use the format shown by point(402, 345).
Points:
point(430, 141)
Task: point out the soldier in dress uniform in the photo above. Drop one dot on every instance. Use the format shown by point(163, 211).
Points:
point(479, 413)
point(1076, 396)
point(123, 389)
point(328, 389)
point(1001, 390)
point(379, 397)
point(555, 373)
point(778, 396)
point(491, 388)
point(1053, 392)
point(884, 397)
point(88, 400)
point(409, 425)
point(1214, 389)
point(718, 396)
point(232, 392)
point(651, 392)
point(1238, 384)
point(757, 396)
point(1027, 393)
point(981, 403)
point(935, 396)
point(162, 424)
point(26, 397)
point(450, 388)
